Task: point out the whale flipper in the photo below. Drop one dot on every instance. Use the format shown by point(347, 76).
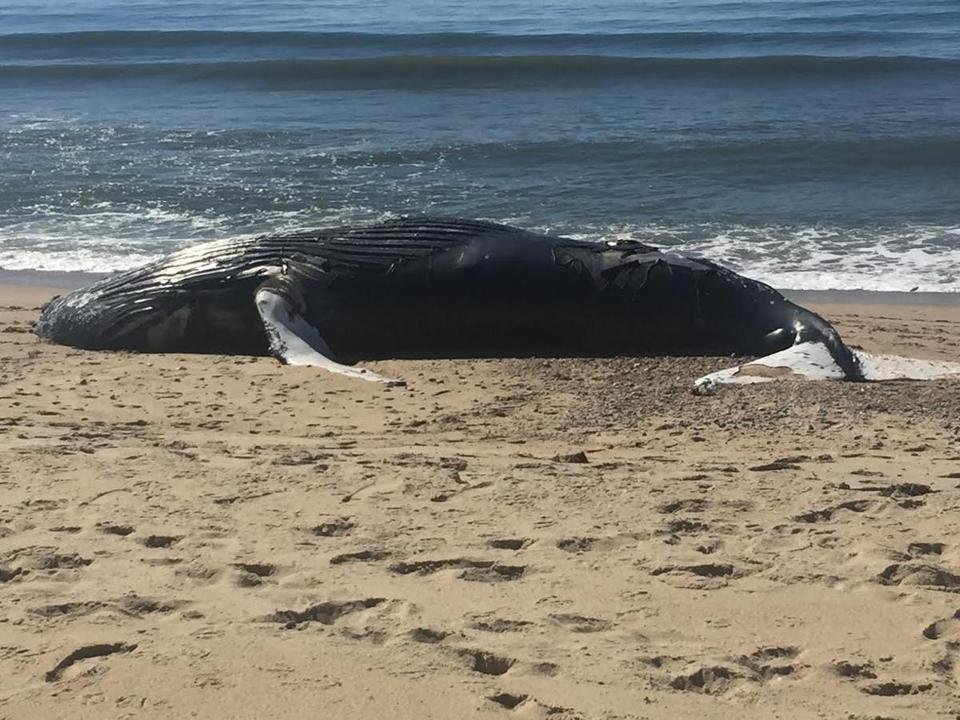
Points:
point(294, 341)
point(814, 361)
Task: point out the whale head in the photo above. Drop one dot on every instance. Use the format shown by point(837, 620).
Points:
point(90, 318)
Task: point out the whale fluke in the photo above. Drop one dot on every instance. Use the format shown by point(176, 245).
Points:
point(814, 361)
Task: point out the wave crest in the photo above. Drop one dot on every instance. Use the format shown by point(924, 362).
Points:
point(433, 71)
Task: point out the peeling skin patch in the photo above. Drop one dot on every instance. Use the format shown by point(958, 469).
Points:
point(811, 360)
point(763, 371)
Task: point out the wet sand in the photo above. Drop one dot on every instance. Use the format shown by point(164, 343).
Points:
point(226, 537)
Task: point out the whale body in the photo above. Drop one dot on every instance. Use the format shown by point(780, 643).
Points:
point(419, 287)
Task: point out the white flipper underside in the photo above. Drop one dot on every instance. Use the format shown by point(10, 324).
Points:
point(812, 360)
point(294, 341)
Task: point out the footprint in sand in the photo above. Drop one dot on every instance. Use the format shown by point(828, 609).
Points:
point(577, 544)
point(759, 666)
point(508, 700)
point(71, 529)
point(499, 625)
point(510, 543)
point(128, 606)
point(22, 563)
point(693, 505)
point(161, 541)
point(86, 653)
point(333, 527)
point(867, 671)
point(7, 573)
point(253, 574)
point(923, 574)
point(855, 670)
point(685, 526)
point(855, 506)
point(770, 662)
point(892, 689)
point(947, 628)
point(473, 570)
point(114, 529)
point(326, 613)
point(494, 573)
point(921, 549)
point(359, 556)
point(708, 680)
point(581, 623)
point(427, 636)
point(487, 663)
point(707, 570)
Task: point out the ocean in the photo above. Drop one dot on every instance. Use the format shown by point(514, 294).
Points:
point(811, 144)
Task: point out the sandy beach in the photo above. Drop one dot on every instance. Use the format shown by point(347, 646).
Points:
point(212, 537)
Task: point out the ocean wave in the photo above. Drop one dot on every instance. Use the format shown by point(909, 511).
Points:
point(848, 152)
point(302, 150)
point(432, 71)
point(112, 42)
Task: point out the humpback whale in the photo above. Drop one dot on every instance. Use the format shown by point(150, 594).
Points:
point(419, 287)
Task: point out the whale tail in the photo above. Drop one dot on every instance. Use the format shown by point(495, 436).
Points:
point(819, 353)
point(817, 360)
point(811, 328)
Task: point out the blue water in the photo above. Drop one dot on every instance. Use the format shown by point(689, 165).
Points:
point(812, 144)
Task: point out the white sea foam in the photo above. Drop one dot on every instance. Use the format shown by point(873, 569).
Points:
point(110, 237)
point(907, 257)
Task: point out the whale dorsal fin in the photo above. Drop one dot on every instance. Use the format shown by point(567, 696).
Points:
point(813, 361)
point(294, 341)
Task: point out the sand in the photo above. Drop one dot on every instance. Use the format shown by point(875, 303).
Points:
point(213, 537)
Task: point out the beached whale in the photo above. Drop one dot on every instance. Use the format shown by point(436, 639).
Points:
point(440, 288)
